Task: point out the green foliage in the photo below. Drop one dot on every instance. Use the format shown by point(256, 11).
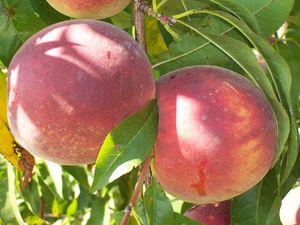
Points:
point(216, 32)
point(9, 212)
point(158, 206)
point(126, 146)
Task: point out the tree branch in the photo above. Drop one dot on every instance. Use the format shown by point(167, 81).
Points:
point(137, 190)
point(139, 23)
point(144, 174)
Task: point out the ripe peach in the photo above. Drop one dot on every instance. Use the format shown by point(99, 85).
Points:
point(211, 214)
point(89, 9)
point(70, 84)
point(290, 208)
point(216, 137)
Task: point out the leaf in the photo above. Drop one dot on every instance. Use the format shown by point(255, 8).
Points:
point(46, 12)
point(244, 57)
point(172, 7)
point(97, 212)
point(9, 212)
point(6, 140)
point(154, 39)
point(158, 206)
point(190, 50)
point(51, 173)
point(31, 195)
point(141, 212)
point(126, 146)
point(183, 220)
point(253, 207)
point(122, 20)
point(272, 217)
point(7, 145)
point(72, 208)
point(241, 12)
point(18, 22)
point(270, 14)
point(291, 52)
point(3, 97)
point(79, 173)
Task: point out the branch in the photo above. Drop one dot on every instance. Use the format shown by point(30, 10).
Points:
point(139, 23)
point(137, 190)
point(144, 175)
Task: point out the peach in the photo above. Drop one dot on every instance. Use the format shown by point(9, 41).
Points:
point(70, 84)
point(89, 9)
point(290, 208)
point(211, 214)
point(216, 137)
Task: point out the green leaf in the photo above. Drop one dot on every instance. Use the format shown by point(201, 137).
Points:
point(6, 140)
point(270, 14)
point(183, 220)
point(18, 22)
point(158, 206)
point(189, 51)
point(9, 212)
point(72, 208)
point(291, 52)
point(50, 175)
point(141, 212)
point(254, 206)
point(118, 216)
point(126, 146)
point(122, 20)
point(79, 173)
point(31, 195)
point(154, 39)
point(46, 12)
point(241, 12)
point(97, 212)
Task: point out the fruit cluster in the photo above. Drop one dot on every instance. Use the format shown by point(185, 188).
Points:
point(74, 81)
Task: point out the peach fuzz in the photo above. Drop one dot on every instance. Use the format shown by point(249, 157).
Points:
point(70, 84)
point(211, 214)
point(217, 134)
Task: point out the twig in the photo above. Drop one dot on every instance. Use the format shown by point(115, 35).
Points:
point(139, 10)
point(145, 8)
point(42, 208)
point(139, 23)
point(137, 190)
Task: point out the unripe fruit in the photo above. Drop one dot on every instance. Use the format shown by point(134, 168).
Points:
point(89, 9)
point(216, 136)
point(70, 84)
point(211, 214)
point(290, 208)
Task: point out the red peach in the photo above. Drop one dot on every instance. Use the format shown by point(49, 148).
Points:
point(70, 84)
point(216, 137)
point(211, 214)
point(89, 9)
point(290, 208)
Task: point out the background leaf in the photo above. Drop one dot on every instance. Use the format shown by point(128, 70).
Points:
point(270, 14)
point(9, 212)
point(158, 206)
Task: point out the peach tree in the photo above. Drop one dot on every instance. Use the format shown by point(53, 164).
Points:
point(158, 112)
